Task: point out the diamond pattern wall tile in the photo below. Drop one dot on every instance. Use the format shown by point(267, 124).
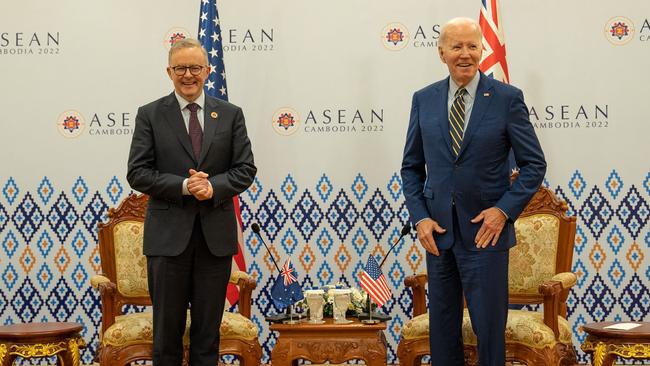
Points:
point(271, 215)
point(596, 212)
point(94, 213)
point(633, 212)
point(635, 299)
point(324, 188)
point(79, 190)
point(10, 190)
point(342, 215)
point(254, 191)
point(27, 260)
point(616, 273)
point(114, 190)
point(10, 244)
point(289, 188)
point(62, 301)
point(28, 217)
point(377, 214)
point(614, 184)
point(45, 191)
point(577, 184)
point(359, 187)
point(27, 301)
point(62, 217)
point(306, 215)
point(394, 187)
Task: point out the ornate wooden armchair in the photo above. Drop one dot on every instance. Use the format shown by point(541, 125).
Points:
point(539, 273)
point(128, 337)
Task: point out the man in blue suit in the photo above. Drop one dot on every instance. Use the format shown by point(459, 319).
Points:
point(456, 178)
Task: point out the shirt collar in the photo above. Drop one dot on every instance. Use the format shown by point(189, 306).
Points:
point(471, 87)
point(183, 103)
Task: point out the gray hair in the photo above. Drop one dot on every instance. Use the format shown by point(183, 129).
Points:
point(186, 43)
point(459, 21)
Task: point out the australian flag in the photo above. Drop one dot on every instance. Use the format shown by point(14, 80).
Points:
point(286, 289)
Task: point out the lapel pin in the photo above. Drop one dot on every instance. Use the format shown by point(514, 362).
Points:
point(214, 115)
point(486, 94)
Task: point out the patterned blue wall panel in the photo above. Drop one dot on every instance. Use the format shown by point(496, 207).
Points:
point(49, 244)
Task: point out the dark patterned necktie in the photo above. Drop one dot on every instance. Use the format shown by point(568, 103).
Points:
point(194, 130)
point(457, 120)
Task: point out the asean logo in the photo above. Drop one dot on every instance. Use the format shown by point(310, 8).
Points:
point(174, 35)
point(395, 36)
point(70, 123)
point(619, 30)
point(285, 121)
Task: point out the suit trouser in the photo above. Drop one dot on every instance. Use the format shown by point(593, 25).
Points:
point(482, 276)
point(195, 277)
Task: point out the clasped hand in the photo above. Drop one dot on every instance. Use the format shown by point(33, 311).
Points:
point(489, 232)
point(199, 186)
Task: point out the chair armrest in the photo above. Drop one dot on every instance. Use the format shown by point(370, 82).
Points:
point(552, 292)
point(107, 291)
point(246, 284)
point(568, 279)
point(418, 283)
point(96, 280)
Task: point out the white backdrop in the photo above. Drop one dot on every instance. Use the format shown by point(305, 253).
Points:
point(98, 61)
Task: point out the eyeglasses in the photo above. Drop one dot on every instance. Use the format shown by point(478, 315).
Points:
point(181, 70)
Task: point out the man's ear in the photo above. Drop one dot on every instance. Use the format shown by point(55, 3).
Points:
point(441, 55)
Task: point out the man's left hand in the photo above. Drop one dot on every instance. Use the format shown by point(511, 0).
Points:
point(493, 222)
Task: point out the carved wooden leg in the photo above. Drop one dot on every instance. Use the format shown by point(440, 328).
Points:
point(70, 356)
point(6, 359)
point(280, 353)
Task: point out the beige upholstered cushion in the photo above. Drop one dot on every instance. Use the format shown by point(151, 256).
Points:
point(532, 260)
point(138, 328)
point(130, 263)
point(417, 327)
point(524, 327)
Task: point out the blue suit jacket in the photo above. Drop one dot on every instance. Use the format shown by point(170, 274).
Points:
point(479, 178)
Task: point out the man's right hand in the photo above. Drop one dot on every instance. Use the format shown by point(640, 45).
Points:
point(425, 229)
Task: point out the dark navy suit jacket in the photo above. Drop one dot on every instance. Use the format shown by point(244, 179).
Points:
point(160, 158)
point(479, 178)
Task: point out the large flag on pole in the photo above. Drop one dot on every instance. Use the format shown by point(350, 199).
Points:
point(494, 62)
point(215, 86)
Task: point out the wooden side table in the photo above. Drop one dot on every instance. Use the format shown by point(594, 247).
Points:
point(331, 342)
point(41, 340)
point(605, 345)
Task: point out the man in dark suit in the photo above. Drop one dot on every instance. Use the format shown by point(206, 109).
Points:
point(190, 153)
point(455, 174)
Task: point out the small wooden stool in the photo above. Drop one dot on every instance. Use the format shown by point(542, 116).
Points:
point(29, 340)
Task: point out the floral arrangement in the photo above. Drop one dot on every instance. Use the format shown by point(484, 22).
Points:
point(358, 303)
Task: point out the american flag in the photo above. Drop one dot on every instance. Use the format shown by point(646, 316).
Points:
point(215, 86)
point(494, 62)
point(374, 282)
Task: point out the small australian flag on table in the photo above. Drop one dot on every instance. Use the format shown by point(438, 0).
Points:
point(286, 290)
